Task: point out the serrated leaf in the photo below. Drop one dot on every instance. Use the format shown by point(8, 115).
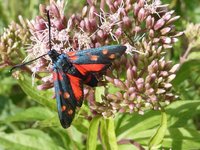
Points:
point(93, 133)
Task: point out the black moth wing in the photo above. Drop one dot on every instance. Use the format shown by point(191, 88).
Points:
point(94, 60)
point(69, 92)
point(69, 84)
point(100, 55)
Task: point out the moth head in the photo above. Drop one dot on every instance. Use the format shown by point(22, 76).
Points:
point(53, 54)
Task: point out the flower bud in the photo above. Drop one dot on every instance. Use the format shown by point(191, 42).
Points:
point(119, 83)
point(178, 34)
point(173, 19)
point(150, 91)
point(167, 85)
point(167, 16)
point(84, 11)
point(174, 40)
point(166, 40)
point(174, 68)
point(165, 30)
point(163, 74)
point(149, 22)
point(159, 24)
point(151, 34)
point(112, 96)
point(171, 77)
point(55, 11)
point(131, 106)
point(109, 79)
point(141, 15)
point(132, 97)
point(141, 3)
point(119, 95)
point(125, 95)
point(160, 91)
point(58, 24)
point(136, 9)
point(129, 73)
point(166, 46)
point(126, 21)
point(119, 32)
point(131, 90)
point(42, 9)
point(87, 23)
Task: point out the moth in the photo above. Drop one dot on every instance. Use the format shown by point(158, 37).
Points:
point(73, 69)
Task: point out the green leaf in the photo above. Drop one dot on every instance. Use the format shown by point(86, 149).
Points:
point(103, 131)
point(31, 114)
point(41, 97)
point(137, 123)
point(195, 55)
point(186, 70)
point(137, 127)
point(157, 138)
point(180, 112)
point(98, 92)
point(61, 137)
point(50, 122)
point(28, 139)
point(79, 122)
point(92, 133)
point(181, 139)
point(175, 138)
point(112, 89)
point(108, 136)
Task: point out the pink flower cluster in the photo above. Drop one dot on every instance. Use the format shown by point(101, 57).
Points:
point(142, 77)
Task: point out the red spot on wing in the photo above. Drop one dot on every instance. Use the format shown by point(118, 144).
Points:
point(94, 57)
point(71, 53)
point(66, 95)
point(70, 112)
point(112, 56)
point(76, 87)
point(74, 57)
point(85, 68)
point(105, 51)
point(63, 108)
point(57, 76)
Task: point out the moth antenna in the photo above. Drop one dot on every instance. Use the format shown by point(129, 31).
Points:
point(24, 64)
point(129, 38)
point(49, 24)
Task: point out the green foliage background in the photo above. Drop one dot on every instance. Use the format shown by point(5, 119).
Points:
point(28, 117)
